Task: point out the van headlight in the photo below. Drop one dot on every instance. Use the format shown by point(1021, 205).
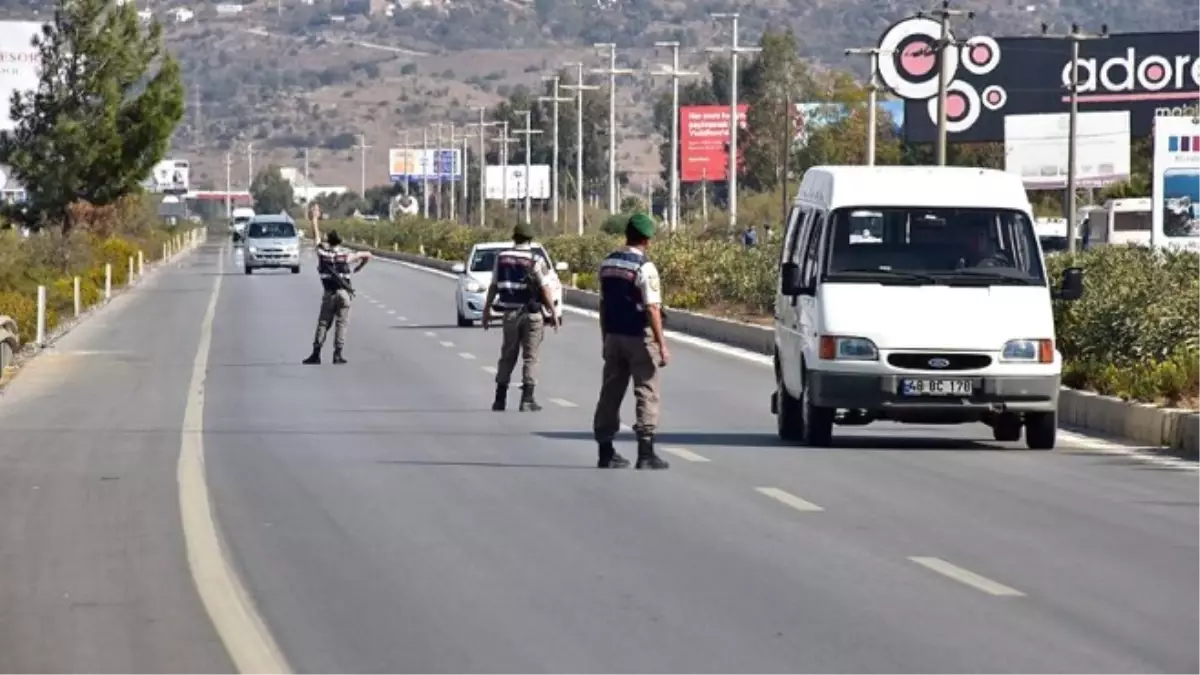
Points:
point(839, 348)
point(473, 287)
point(252, 249)
point(1028, 350)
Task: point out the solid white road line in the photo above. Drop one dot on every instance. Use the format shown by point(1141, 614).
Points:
point(465, 355)
point(966, 577)
point(563, 403)
point(784, 497)
point(684, 453)
point(229, 606)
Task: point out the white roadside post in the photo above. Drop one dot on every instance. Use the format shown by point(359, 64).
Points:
point(141, 264)
point(129, 278)
point(41, 316)
point(78, 299)
point(107, 281)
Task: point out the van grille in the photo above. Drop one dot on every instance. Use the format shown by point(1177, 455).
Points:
point(920, 361)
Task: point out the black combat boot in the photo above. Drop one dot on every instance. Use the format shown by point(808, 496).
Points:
point(313, 359)
point(610, 458)
point(337, 357)
point(501, 399)
point(646, 457)
point(528, 404)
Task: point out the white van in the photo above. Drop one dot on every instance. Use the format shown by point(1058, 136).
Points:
point(942, 316)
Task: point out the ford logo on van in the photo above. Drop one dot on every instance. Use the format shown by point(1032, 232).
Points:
point(938, 363)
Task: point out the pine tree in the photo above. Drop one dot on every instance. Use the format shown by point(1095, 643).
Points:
point(107, 102)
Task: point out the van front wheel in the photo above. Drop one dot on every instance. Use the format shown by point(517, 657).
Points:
point(818, 421)
point(1041, 430)
point(788, 417)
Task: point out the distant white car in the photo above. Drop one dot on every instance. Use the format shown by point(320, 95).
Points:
point(476, 275)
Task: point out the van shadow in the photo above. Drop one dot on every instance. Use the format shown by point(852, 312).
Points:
point(770, 440)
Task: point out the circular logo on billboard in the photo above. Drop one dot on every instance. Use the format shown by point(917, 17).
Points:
point(908, 68)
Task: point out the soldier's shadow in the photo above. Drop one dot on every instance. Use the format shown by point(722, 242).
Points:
point(694, 438)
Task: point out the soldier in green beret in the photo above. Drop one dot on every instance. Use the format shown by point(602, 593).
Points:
point(631, 327)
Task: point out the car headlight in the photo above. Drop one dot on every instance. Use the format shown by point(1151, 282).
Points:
point(838, 348)
point(1028, 350)
point(473, 287)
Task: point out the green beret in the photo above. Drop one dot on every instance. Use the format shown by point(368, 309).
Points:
point(643, 224)
point(523, 231)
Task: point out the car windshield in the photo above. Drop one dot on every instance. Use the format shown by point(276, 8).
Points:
point(272, 230)
point(484, 259)
point(965, 245)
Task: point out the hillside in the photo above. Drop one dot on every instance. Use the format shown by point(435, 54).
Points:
point(290, 75)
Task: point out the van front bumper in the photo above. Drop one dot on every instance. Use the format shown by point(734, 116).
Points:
point(880, 396)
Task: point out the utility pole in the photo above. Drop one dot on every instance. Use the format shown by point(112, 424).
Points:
point(362, 178)
point(424, 173)
point(504, 140)
point(453, 166)
point(483, 125)
point(872, 96)
point(528, 132)
point(944, 14)
point(228, 185)
point(555, 99)
point(612, 71)
point(579, 87)
point(734, 49)
point(249, 165)
point(1075, 37)
point(463, 167)
point(198, 120)
point(307, 183)
point(675, 74)
point(404, 149)
point(437, 166)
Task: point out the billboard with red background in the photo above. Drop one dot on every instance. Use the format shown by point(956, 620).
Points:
point(703, 133)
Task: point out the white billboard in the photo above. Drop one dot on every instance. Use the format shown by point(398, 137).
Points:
point(20, 64)
point(416, 163)
point(539, 182)
point(1035, 147)
point(170, 176)
point(1176, 180)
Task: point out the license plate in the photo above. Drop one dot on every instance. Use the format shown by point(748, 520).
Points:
point(937, 387)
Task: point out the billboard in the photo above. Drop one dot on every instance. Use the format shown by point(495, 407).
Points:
point(1148, 74)
point(417, 163)
point(170, 176)
point(494, 185)
point(704, 133)
point(1176, 180)
point(19, 64)
point(1035, 147)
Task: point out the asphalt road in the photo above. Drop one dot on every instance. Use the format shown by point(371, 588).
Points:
point(385, 520)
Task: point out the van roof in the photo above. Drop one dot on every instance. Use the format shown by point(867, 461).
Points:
point(838, 187)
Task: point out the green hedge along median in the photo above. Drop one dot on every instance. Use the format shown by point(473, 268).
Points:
point(1132, 335)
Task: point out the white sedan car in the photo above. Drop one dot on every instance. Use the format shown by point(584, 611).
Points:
point(476, 275)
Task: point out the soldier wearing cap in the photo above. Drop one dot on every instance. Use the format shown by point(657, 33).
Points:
point(335, 264)
point(631, 326)
point(520, 290)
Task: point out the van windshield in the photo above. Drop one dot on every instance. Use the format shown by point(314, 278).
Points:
point(271, 230)
point(979, 245)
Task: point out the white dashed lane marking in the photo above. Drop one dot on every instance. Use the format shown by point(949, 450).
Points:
point(465, 355)
point(788, 499)
point(391, 311)
point(966, 577)
point(491, 370)
point(563, 403)
point(684, 453)
point(446, 343)
point(430, 333)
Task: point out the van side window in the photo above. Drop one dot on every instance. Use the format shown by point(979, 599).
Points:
point(798, 233)
point(790, 230)
point(811, 247)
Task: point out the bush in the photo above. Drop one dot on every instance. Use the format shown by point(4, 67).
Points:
point(111, 234)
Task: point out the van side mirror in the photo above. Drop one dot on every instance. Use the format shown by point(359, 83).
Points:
point(1071, 287)
point(459, 268)
point(789, 280)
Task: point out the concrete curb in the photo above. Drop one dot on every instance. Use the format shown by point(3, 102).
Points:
point(1175, 432)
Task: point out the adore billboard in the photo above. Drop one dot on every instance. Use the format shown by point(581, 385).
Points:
point(1148, 74)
